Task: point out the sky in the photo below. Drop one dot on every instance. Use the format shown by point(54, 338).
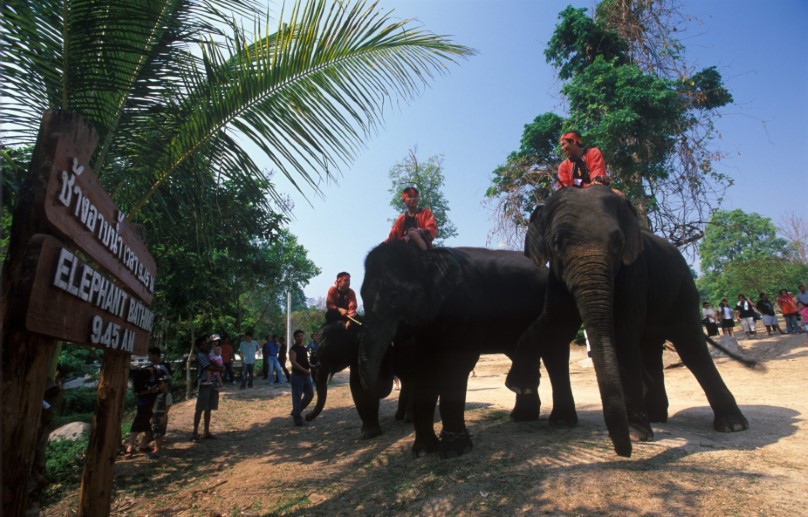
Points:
point(474, 117)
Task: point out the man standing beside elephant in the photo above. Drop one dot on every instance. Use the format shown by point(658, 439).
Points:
point(416, 225)
point(302, 388)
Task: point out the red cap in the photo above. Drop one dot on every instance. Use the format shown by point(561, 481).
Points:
point(571, 136)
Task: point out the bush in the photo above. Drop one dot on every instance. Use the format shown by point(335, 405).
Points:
point(82, 400)
point(64, 460)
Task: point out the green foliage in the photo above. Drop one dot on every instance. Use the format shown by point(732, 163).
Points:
point(79, 400)
point(309, 320)
point(78, 361)
point(577, 41)
point(741, 253)
point(428, 179)
point(632, 96)
point(14, 164)
point(174, 89)
point(733, 237)
point(64, 460)
point(168, 82)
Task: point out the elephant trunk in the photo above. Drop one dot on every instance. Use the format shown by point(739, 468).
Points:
point(589, 275)
point(321, 386)
point(376, 338)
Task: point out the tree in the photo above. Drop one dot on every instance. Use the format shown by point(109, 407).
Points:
point(428, 179)
point(654, 127)
point(166, 82)
point(795, 228)
point(741, 253)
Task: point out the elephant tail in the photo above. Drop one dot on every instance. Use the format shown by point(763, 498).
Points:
point(749, 363)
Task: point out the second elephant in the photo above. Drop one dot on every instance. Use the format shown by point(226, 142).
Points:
point(459, 303)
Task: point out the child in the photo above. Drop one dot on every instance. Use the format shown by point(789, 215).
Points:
point(216, 358)
point(162, 404)
point(802, 309)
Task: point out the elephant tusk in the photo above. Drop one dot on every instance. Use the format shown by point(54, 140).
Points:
point(354, 320)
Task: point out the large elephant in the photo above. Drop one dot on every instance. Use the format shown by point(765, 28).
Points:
point(459, 303)
point(633, 290)
point(338, 350)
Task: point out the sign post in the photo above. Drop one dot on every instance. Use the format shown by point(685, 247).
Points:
point(76, 271)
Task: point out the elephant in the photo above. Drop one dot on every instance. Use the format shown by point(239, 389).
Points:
point(458, 303)
point(632, 290)
point(339, 349)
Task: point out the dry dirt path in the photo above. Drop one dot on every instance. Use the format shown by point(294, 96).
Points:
point(262, 465)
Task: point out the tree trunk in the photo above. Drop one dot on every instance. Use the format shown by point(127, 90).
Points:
point(188, 361)
point(95, 496)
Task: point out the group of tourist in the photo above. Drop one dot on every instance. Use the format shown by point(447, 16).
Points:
point(792, 307)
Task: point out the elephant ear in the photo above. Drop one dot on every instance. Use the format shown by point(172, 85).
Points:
point(632, 233)
point(535, 246)
point(442, 274)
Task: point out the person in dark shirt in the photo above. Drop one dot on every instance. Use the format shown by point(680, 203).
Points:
point(746, 314)
point(766, 309)
point(302, 387)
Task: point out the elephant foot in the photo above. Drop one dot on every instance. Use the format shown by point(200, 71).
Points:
point(640, 432)
point(422, 448)
point(371, 431)
point(405, 416)
point(526, 408)
point(639, 428)
point(563, 418)
point(730, 423)
point(453, 445)
point(522, 382)
point(659, 417)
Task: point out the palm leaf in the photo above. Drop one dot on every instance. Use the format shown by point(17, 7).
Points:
point(305, 94)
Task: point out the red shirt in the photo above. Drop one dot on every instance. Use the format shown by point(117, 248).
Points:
point(336, 299)
point(227, 353)
point(787, 305)
point(423, 219)
point(594, 162)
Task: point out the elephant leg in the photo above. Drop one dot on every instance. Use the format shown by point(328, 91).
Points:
point(367, 405)
point(692, 347)
point(405, 402)
point(454, 438)
point(558, 321)
point(425, 399)
point(656, 398)
point(557, 362)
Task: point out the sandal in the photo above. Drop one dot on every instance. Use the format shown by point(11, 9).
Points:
point(195, 438)
point(209, 437)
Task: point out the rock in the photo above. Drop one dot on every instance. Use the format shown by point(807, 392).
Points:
point(71, 431)
point(85, 382)
point(728, 342)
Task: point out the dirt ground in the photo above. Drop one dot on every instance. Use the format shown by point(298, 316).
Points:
point(262, 465)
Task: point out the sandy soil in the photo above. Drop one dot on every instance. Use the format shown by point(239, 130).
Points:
point(262, 465)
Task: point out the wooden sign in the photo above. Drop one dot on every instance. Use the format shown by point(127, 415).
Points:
point(79, 209)
point(76, 301)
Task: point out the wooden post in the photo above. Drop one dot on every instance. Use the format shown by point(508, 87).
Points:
point(105, 436)
point(26, 356)
point(25, 372)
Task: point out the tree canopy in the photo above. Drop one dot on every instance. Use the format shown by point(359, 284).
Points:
point(643, 108)
point(741, 253)
point(188, 103)
point(428, 178)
